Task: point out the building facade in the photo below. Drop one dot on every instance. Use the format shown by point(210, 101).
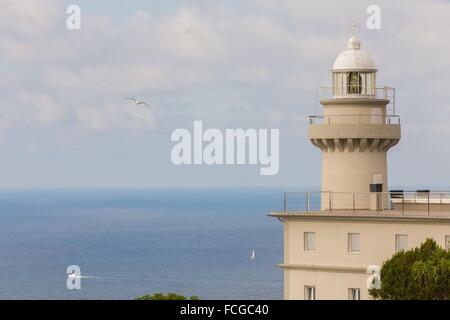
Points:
point(333, 253)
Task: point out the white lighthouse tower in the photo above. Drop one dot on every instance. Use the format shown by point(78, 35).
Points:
point(357, 128)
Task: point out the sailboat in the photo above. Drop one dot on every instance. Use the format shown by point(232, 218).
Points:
point(253, 255)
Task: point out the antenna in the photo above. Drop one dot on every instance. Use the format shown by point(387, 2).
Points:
point(354, 29)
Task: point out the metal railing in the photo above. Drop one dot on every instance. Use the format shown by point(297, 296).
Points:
point(387, 93)
point(354, 118)
point(395, 201)
point(356, 91)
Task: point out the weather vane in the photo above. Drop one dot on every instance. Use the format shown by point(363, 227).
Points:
point(354, 29)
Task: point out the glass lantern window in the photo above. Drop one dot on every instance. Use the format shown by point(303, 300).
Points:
point(353, 83)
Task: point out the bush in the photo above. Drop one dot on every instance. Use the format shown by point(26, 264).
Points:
point(419, 274)
point(169, 296)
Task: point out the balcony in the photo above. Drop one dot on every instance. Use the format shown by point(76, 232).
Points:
point(354, 132)
point(345, 93)
point(396, 203)
point(354, 119)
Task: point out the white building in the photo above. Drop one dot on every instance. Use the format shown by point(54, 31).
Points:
point(359, 222)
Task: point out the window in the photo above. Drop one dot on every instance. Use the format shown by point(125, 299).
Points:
point(354, 83)
point(401, 242)
point(337, 84)
point(447, 243)
point(353, 243)
point(310, 293)
point(354, 294)
point(310, 241)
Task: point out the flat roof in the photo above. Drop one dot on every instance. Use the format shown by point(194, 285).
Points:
point(366, 215)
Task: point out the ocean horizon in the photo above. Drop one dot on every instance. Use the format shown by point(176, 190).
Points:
point(133, 242)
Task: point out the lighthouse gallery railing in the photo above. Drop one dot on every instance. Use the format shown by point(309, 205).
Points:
point(402, 202)
point(354, 118)
point(387, 93)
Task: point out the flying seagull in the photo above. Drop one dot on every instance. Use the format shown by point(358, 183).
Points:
point(139, 102)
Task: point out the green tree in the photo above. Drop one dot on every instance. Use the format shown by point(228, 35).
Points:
point(169, 296)
point(422, 273)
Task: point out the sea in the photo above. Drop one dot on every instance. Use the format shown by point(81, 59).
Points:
point(133, 242)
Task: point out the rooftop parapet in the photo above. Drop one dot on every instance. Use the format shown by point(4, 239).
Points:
point(396, 203)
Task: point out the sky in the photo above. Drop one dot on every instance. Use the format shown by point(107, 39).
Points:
point(231, 64)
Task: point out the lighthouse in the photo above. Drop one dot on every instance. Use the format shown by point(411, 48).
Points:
point(357, 128)
point(333, 247)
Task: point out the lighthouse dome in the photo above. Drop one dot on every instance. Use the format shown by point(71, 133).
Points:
point(353, 58)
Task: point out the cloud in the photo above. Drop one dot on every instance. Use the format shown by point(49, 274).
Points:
point(124, 79)
point(252, 75)
point(279, 49)
point(14, 50)
point(45, 111)
point(189, 34)
point(113, 116)
point(28, 17)
point(234, 65)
